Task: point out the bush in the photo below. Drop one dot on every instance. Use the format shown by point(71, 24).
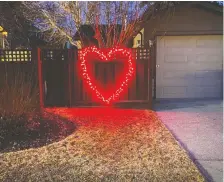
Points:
point(18, 90)
point(20, 133)
point(22, 126)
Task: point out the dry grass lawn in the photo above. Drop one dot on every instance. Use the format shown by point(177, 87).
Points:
point(109, 145)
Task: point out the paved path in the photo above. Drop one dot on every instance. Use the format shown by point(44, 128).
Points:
point(198, 126)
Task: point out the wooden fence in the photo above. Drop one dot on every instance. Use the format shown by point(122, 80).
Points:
point(60, 82)
point(14, 62)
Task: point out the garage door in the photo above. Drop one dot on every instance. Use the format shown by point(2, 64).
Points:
point(189, 66)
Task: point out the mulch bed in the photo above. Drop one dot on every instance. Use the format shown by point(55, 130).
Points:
point(33, 131)
point(109, 145)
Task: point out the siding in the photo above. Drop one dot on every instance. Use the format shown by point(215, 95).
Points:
point(187, 20)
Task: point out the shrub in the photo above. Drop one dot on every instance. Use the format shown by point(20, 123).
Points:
point(18, 90)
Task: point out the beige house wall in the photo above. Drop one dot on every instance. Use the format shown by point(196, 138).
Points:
point(138, 38)
point(187, 20)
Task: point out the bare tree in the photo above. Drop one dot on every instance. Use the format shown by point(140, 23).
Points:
point(114, 23)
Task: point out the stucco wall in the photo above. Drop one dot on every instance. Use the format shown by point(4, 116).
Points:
point(138, 37)
point(187, 20)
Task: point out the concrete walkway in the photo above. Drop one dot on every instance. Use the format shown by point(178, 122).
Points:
point(198, 126)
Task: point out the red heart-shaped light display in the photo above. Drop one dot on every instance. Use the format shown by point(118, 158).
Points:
point(107, 56)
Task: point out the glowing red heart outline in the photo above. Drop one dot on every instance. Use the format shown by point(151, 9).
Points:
point(108, 57)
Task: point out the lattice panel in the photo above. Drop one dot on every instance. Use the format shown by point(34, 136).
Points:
point(15, 56)
point(142, 53)
point(53, 54)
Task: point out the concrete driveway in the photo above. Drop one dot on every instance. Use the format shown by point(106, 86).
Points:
point(198, 127)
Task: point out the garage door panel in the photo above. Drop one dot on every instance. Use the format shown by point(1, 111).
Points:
point(206, 91)
point(176, 82)
point(181, 74)
point(171, 92)
point(176, 91)
point(190, 57)
point(174, 66)
point(208, 74)
point(206, 58)
point(208, 51)
point(208, 66)
point(159, 90)
point(206, 82)
point(189, 67)
point(175, 58)
point(177, 51)
point(183, 42)
point(184, 78)
point(190, 92)
point(209, 42)
point(177, 78)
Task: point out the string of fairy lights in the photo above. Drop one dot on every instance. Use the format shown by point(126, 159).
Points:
point(106, 56)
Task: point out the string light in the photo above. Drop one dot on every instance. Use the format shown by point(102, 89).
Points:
point(106, 55)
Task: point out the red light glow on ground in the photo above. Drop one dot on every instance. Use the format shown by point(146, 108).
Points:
point(110, 118)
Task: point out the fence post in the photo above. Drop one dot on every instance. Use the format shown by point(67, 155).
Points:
point(40, 77)
point(69, 76)
point(73, 73)
point(149, 80)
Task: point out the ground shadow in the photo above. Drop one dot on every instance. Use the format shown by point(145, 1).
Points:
point(162, 105)
point(22, 134)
